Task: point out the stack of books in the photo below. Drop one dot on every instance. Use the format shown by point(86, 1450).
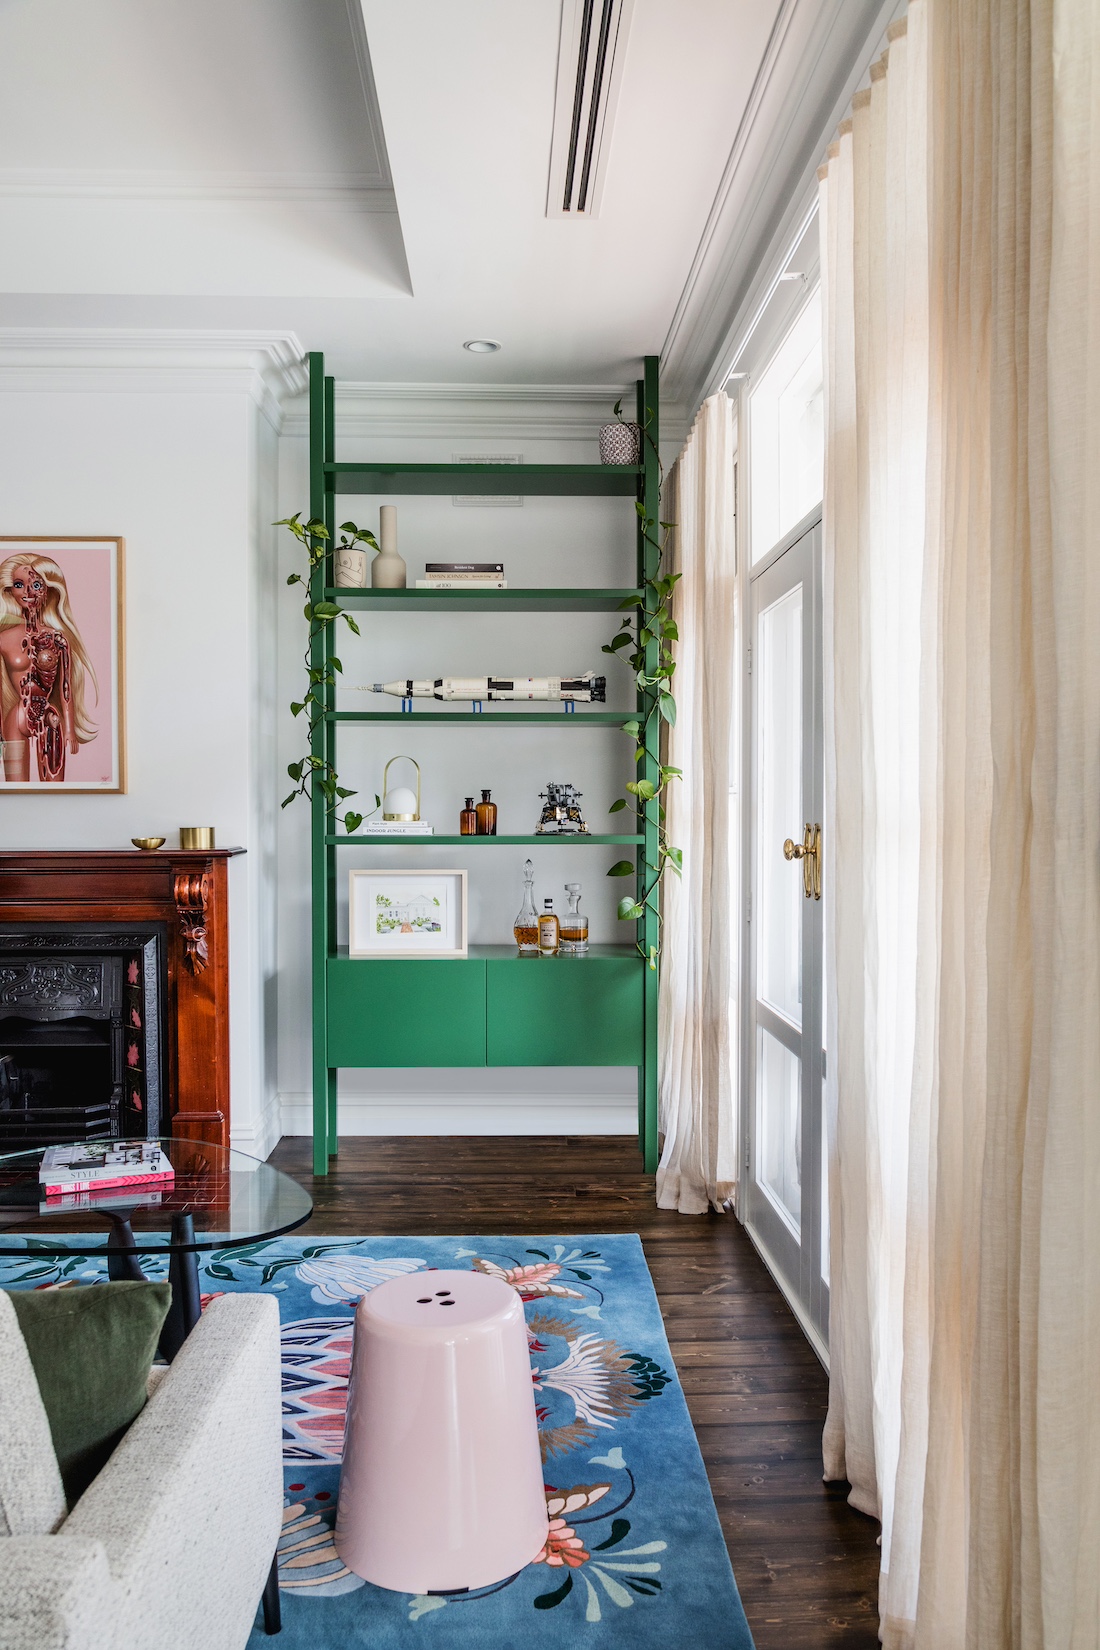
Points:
point(395, 827)
point(107, 1175)
point(463, 575)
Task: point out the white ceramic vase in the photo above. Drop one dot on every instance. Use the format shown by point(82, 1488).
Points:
point(389, 571)
point(351, 569)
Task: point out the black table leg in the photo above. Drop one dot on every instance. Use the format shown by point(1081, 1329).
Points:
point(123, 1268)
point(273, 1614)
point(183, 1275)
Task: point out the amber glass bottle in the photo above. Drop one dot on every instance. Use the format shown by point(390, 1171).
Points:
point(467, 819)
point(486, 816)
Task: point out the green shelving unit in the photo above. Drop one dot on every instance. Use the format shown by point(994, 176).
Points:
point(493, 1007)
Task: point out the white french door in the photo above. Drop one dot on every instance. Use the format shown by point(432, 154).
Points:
point(783, 1200)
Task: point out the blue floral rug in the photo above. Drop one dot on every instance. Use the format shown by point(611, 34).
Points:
point(635, 1554)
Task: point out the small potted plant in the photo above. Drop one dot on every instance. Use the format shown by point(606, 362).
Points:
point(620, 442)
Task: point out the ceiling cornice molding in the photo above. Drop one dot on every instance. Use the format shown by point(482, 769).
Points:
point(817, 53)
point(357, 25)
point(362, 191)
point(475, 412)
point(268, 366)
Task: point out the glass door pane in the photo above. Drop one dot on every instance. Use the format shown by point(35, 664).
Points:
point(779, 1126)
point(779, 780)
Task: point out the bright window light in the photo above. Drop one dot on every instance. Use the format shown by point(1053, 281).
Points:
point(787, 433)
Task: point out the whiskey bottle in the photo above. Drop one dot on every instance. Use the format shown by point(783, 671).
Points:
point(549, 930)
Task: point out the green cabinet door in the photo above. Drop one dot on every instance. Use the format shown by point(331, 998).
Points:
point(406, 1013)
point(564, 1011)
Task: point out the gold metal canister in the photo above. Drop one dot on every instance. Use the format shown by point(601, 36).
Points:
point(196, 836)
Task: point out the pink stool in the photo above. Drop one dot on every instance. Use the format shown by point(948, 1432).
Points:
point(442, 1482)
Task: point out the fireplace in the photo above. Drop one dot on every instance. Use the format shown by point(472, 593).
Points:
point(114, 995)
point(81, 1032)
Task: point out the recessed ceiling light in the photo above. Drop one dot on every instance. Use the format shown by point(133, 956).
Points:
point(481, 346)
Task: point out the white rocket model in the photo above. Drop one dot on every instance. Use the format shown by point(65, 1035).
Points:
point(586, 689)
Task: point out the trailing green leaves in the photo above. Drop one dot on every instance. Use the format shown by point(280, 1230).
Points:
point(314, 774)
point(645, 641)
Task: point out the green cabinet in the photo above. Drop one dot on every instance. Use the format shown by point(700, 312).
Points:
point(564, 1011)
point(493, 1008)
point(406, 1013)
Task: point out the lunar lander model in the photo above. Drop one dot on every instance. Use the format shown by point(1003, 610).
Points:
point(561, 813)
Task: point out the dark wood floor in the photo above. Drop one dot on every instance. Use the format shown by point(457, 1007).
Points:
point(806, 1563)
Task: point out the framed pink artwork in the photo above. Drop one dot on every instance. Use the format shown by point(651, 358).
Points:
point(62, 701)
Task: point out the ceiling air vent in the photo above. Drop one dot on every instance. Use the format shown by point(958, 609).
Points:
point(590, 66)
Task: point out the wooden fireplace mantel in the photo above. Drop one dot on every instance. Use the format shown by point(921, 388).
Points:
point(187, 890)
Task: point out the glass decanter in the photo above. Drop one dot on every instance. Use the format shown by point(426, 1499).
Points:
point(526, 926)
point(574, 924)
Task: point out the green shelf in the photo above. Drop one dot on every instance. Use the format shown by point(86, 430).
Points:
point(499, 718)
point(487, 601)
point(492, 1007)
point(521, 480)
point(477, 841)
point(503, 953)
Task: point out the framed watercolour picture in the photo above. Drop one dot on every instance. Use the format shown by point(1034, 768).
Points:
point(61, 667)
point(407, 914)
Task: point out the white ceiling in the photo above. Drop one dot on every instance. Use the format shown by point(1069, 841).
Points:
point(229, 164)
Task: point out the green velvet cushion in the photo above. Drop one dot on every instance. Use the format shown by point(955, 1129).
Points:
point(92, 1348)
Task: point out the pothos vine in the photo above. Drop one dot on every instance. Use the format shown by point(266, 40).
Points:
point(312, 770)
point(655, 625)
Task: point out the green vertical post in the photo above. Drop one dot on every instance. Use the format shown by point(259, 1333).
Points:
point(649, 927)
point(329, 733)
point(324, 1079)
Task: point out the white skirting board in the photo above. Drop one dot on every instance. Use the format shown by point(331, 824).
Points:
point(259, 1137)
point(463, 1114)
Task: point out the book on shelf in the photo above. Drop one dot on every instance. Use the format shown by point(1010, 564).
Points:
point(105, 1164)
point(464, 569)
point(114, 1197)
point(394, 827)
point(461, 584)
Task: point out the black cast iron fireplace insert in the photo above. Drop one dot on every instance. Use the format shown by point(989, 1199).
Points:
point(81, 1032)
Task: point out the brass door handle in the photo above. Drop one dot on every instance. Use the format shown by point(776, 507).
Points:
point(809, 852)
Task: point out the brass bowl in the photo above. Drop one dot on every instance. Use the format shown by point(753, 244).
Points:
point(148, 843)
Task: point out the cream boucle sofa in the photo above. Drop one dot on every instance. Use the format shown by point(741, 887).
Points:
point(170, 1546)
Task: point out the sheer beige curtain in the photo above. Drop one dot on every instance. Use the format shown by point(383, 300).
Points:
point(961, 218)
point(875, 297)
point(698, 1158)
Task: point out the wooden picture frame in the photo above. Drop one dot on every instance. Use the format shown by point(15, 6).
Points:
point(396, 914)
point(62, 710)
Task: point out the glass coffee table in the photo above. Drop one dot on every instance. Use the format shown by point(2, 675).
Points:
point(219, 1199)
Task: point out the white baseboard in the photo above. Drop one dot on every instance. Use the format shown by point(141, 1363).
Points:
point(810, 1330)
point(402, 1114)
point(260, 1139)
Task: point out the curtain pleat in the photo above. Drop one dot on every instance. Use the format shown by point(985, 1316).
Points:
point(696, 1020)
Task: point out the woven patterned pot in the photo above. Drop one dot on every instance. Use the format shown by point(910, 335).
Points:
point(620, 443)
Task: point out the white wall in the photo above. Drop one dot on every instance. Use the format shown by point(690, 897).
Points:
point(543, 542)
point(181, 463)
point(171, 443)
